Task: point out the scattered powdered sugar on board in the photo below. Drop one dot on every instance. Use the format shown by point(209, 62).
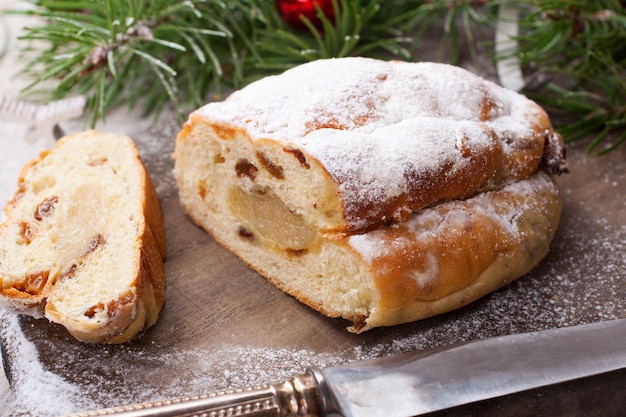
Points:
point(569, 287)
point(40, 392)
point(35, 390)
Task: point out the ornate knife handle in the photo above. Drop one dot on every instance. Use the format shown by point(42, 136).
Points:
point(300, 396)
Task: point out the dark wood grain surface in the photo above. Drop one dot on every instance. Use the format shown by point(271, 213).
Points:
point(224, 326)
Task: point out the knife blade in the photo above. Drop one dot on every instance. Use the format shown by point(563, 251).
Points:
point(416, 383)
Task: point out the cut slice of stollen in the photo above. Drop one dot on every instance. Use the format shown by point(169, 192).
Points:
point(83, 243)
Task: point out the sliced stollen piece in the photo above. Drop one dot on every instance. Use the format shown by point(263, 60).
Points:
point(83, 243)
point(322, 179)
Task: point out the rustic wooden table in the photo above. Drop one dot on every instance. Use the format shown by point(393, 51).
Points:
point(224, 326)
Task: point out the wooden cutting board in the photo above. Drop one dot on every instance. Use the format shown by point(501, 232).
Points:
point(223, 326)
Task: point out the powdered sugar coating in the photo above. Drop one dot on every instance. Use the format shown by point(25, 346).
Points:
point(341, 93)
point(374, 124)
point(374, 166)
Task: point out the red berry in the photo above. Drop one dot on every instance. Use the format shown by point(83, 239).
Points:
point(292, 11)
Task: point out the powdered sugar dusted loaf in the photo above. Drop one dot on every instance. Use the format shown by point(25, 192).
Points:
point(295, 172)
point(395, 136)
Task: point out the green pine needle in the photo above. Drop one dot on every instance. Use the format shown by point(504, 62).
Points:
point(178, 52)
point(581, 45)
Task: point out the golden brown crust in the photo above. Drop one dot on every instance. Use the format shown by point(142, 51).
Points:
point(481, 244)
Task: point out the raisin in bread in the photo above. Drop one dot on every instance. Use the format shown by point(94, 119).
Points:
point(380, 192)
point(83, 243)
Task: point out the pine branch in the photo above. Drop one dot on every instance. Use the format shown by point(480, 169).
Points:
point(150, 53)
point(581, 46)
point(132, 52)
point(118, 53)
point(357, 29)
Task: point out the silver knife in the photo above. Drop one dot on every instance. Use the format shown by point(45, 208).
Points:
point(415, 383)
